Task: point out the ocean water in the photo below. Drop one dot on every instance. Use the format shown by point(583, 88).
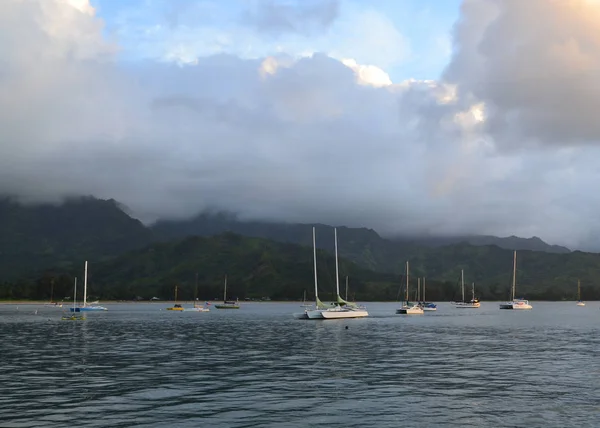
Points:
point(140, 365)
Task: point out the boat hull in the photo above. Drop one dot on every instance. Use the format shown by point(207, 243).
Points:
point(467, 305)
point(426, 309)
point(516, 305)
point(88, 309)
point(580, 304)
point(315, 314)
point(344, 314)
point(227, 306)
point(411, 310)
point(197, 310)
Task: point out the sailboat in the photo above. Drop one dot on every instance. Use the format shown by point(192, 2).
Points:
point(319, 306)
point(73, 317)
point(52, 303)
point(85, 306)
point(176, 306)
point(579, 302)
point(304, 304)
point(427, 306)
point(227, 304)
point(342, 309)
point(408, 308)
point(515, 303)
point(474, 302)
point(197, 308)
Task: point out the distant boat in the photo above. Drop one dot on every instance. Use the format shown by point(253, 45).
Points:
point(176, 306)
point(515, 303)
point(471, 304)
point(227, 304)
point(85, 307)
point(73, 317)
point(304, 304)
point(409, 308)
point(197, 308)
point(52, 303)
point(579, 302)
point(427, 306)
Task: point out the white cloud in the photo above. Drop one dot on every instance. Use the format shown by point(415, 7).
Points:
point(304, 139)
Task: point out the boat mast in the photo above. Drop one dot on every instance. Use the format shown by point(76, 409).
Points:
point(514, 275)
point(51, 290)
point(75, 294)
point(315, 267)
point(424, 289)
point(407, 299)
point(85, 286)
point(175, 294)
point(225, 290)
point(337, 273)
point(462, 282)
point(346, 287)
point(418, 289)
point(473, 289)
point(196, 291)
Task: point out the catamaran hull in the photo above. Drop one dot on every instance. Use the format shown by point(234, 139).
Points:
point(344, 314)
point(315, 314)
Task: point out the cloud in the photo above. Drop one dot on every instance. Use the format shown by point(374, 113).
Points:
point(292, 16)
point(279, 137)
point(535, 65)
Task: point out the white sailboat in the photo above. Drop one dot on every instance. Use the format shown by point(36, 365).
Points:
point(579, 302)
point(474, 302)
point(343, 309)
point(197, 308)
point(427, 306)
point(515, 303)
point(85, 307)
point(407, 308)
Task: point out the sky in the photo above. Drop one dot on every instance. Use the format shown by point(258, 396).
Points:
point(412, 117)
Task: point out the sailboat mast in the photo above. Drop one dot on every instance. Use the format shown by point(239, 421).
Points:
point(75, 294)
point(85, 286)
point(424, 289)
point(473, 289)
point(407, 299)
point(196, 290)
point(418, 289)
point(315, 266)
point(346, 287)
point(514, 282)
point(175, 294)
point(462, 282)
point(225, 290)
point(51, 290)
point(337, 273)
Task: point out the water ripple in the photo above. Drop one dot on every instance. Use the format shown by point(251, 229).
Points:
point(138, 366)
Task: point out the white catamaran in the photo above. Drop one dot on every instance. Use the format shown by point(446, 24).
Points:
point(515, 303)
point(314, 313)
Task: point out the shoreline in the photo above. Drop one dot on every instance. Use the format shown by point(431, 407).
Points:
point(191, 302)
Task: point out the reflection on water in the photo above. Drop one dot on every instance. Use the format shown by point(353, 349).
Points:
point(136, 365)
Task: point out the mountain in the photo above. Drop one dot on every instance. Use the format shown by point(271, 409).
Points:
point(509, 243)
point(255, 268)
point(34, 237)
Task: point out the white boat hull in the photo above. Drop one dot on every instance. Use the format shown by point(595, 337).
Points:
point(580, 304)
point(467, 305)
point(196, 310)
point(516, 305)
point(315, 314)
point(409, 310)
point(426, 309)
point(337, 314)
